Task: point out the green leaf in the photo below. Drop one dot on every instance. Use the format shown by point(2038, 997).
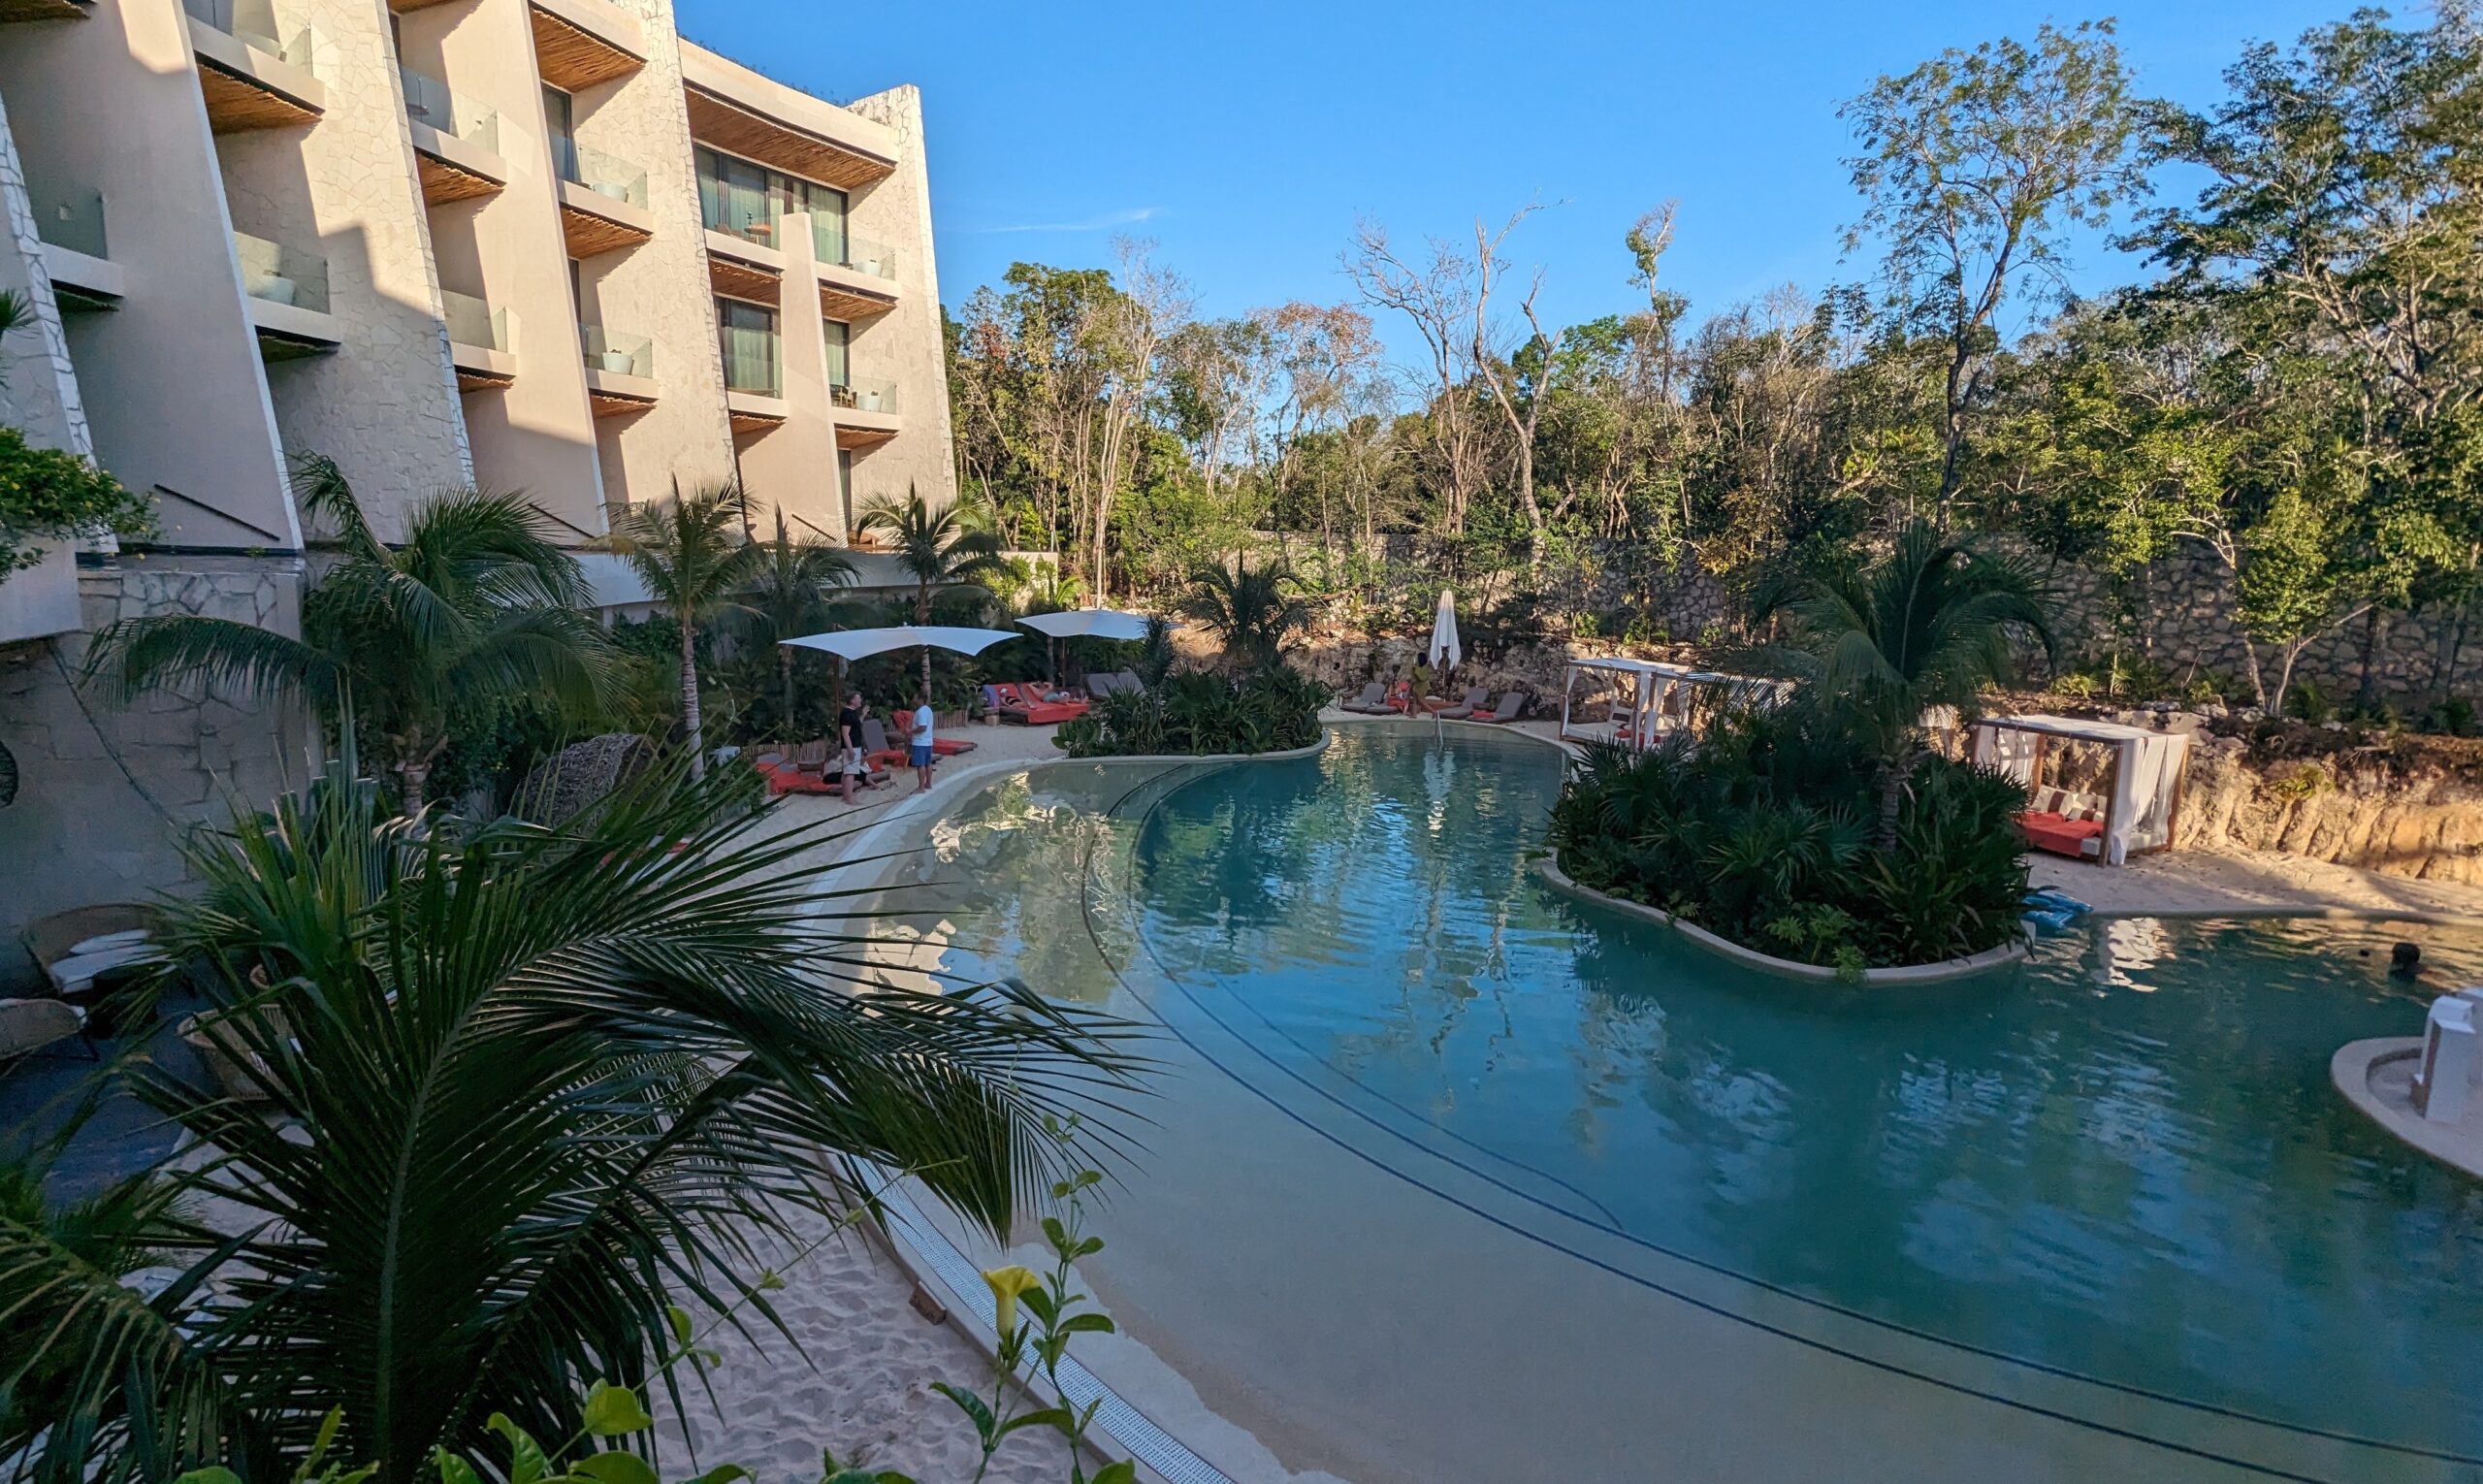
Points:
point(526, 1463)
point(726, 1473)
point(612, 1411)
point(1040, 1305)
point(1056, 1233)
point(967, 1403)
point(1044, 1417)
point(454, 1470)
point(328, 1426)
point(1123, 1472)
point(679, 1318)
point(615, 1468)
point(217, 1475)
point(1086, 1324)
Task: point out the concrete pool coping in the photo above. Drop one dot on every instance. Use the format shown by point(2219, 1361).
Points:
point(2376, 1076)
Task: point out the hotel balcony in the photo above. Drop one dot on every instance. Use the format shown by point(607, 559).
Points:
point(866, 411)
point(620, 371)
point(739, 111)
point(479, 341)
point(457, 140)
point(856, 277)
point(76, 250)
point(604, 200)
point(754, 380)
point(288, 290)
point(254, 69)
point(579, 43)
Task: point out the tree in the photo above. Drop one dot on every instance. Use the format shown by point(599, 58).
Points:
point(939, 549)
point(1929, 624)
point(1256, 611)
point(786, 596)
point(690, 554)
point(1535, 360)
point(478, 606)
point(527, 1099)
point(1438, 297)
point(1973, 167)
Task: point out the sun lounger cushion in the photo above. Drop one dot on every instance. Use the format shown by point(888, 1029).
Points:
point(2060, 835)
point(1475, 696)
point(1369, 701)
point(1510, 705)
point(1029, 706)
point(875, 744)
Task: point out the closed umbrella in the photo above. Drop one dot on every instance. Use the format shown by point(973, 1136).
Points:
point(1445, 646)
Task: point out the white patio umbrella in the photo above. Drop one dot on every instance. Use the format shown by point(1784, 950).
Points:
point(1084, 624)
point(853, 644)
point(1444, 633)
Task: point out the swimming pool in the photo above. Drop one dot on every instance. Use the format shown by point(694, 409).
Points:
point(2109, 1196)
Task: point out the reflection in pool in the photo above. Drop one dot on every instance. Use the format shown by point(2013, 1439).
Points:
point(2122, 1163)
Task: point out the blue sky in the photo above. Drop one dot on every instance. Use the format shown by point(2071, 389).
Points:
point(1246, 137)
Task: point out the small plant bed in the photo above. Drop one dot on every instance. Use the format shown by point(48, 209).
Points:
point(1764, 834)
point(1200, 713)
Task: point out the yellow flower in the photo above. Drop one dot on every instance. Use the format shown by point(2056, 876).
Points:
point(1005, 1285)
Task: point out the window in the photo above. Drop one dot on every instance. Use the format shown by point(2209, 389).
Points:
point(826, 207)
point(748, 335)
point(559, 124)
point(738, 198)
point(839, 338)
point(844, 489)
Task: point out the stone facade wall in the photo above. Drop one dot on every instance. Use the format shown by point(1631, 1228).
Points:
point(107, 791)
point(2427, 826)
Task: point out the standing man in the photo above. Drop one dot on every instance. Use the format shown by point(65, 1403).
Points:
point(921, 754)
point(849, 736)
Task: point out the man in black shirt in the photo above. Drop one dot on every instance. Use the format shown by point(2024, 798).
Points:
point(849, 737)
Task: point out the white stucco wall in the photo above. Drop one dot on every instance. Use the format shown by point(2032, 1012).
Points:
point(904, 345)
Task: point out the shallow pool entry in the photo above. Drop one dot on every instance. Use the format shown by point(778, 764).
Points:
point(2113, 1187)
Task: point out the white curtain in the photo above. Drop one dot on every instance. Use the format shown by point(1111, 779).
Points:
point(2006, 750)
point(2143, 807)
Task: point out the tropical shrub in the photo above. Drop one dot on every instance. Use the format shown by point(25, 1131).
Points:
point(1762, 830)
point(1198, 713)
point(522, 1094)
point(50, 494)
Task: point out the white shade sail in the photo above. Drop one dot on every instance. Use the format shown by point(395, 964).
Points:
point(1444, 631)
point(862, 643)
point(1090, 623)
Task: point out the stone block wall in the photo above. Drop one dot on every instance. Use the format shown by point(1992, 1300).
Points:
point(107, 791)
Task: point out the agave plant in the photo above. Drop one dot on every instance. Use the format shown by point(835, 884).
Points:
point(520, 1092)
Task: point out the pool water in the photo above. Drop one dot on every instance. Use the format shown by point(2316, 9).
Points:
point(2122, 1164)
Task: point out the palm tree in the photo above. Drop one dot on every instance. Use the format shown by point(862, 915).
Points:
point(1931, 623)
point(478, 605)
point(1256, 611)
point(523, 1092)
point(786, 597)
point(690, 553)
point(938, 549)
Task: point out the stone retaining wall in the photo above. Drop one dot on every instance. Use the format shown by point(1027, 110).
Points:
point(2426, 827)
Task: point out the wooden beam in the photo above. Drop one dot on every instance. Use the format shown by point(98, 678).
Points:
point(607, 405)
point(591, 236)
point(741, 280)
point(236, 103)
point(836, 302)
point(737, 130)
point(481, 381)
point(569, 58)
point(444, 181)
point(863, 438)
point(754, 422)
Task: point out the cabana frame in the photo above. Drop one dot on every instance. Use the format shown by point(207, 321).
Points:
point(1659, 698)
point(2143, 796)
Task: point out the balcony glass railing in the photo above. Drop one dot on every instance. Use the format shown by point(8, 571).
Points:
point(73, 220)
point(752, 361)
point(623, 355)
point(429, 100)
point(254, 23)
point(602, 174)
point(831, 243)
point(281, 275)
point(472, 321)
point(864, 393)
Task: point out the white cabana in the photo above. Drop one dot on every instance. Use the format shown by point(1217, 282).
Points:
point(2131, 815)
point(1655, 698)
point(863, 643)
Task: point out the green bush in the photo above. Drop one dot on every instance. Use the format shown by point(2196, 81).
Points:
point(1760, 831)
point(48, 494)
point(1199, 713)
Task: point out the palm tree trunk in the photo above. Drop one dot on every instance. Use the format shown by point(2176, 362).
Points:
point(690, 699)
point(785, 672)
